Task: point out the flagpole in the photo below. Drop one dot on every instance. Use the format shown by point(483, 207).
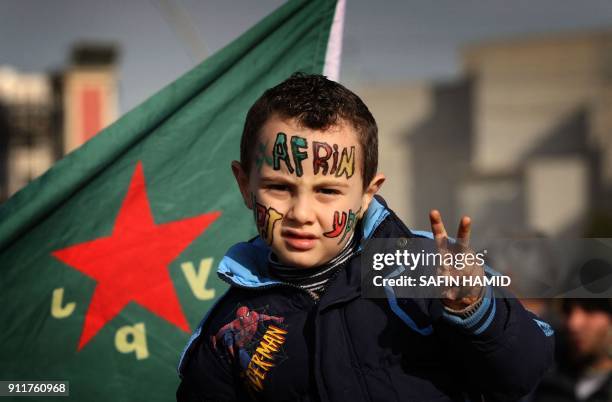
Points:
point(333, 54)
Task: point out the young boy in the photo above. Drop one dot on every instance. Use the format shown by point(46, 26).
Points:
point(294, 324)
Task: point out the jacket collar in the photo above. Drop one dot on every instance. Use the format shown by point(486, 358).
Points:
point(246, 263)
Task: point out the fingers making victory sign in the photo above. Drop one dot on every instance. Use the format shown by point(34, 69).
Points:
point(439, 231)
point(458, 297)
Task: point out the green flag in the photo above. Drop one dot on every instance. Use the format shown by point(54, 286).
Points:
point(107, 262)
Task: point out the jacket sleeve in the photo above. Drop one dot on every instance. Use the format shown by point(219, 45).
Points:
point(206, 376)
point(504, 348)
point(207, 372)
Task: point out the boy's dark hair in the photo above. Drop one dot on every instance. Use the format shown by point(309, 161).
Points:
point(317, 103)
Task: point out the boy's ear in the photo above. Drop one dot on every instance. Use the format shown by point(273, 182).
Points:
point(242, 179)
point(375, 185)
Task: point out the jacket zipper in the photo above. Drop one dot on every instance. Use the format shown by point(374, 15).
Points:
point(227, 280)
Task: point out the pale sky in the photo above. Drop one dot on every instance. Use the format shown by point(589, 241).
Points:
point(391, 40)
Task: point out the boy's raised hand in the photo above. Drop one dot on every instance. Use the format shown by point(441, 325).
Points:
point(458, 297)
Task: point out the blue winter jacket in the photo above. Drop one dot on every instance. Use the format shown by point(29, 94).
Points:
point(270, 341)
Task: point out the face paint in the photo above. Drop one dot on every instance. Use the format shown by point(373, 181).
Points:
point(261, 157)
point(343, 224)
point(298, 143)
point(319, 160)
point(347, 163)
point(335, 159)
point(281, 153)
point(343, 161)
point(339, 224)
point(265, 219)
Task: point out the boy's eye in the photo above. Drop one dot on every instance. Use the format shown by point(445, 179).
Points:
point(329, 191)
point(278, 187)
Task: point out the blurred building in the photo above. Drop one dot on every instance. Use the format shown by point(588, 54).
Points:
point(522, 142)
point(43, 116)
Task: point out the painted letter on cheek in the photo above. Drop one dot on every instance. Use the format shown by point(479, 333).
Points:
point(280, 152)
point(265, 219)
point(273, 217)
point(343, 226)
point(350, 224)
point(339, 224)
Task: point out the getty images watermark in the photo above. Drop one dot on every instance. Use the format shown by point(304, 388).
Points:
point(411, 260)
point(526, 268)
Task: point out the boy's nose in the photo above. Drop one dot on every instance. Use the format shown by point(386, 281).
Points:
point(301, 211)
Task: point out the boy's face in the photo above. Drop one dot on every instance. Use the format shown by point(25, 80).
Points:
point(306, 189)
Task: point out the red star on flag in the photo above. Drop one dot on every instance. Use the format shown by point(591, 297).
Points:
point(131, 265)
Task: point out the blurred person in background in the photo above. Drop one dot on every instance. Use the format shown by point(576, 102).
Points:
point(584, 369)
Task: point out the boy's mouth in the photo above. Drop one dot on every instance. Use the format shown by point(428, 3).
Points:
point(298, 240)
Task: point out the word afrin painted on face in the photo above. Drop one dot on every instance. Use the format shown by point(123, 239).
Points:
point(265, 219)
point(342, 161)
point(263, 358)
point(343, 224)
